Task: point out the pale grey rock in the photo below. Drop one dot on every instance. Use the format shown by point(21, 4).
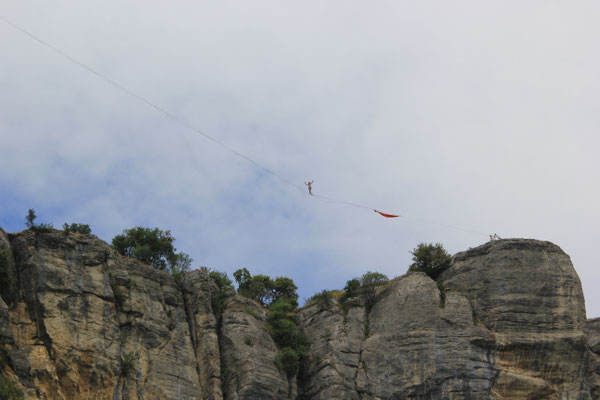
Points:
point(510, 326)
point(8, 273)
point(421, 348)
point(593, 337)
point(198, 291)
point(249, 354)
point(333, 366)
point(527, 293)
point(83, 308)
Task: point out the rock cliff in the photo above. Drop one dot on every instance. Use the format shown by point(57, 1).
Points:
point(505, 321)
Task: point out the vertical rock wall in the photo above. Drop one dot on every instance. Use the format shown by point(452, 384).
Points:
point(593, 337)
point(506, 321)
point(86, 323)
point(78, 321)
point(527, 293)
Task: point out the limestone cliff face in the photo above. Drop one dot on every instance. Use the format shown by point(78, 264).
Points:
point(506, 321)
point(83, 322)
point(593, 335)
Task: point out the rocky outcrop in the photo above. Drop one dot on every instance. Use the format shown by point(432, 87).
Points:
point(79, 321)
point(87, 323)
point(249, 354)
point(506, 321)
point(527, 293)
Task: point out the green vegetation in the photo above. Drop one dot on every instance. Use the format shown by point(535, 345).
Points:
point(443, 289)
point(84, 229)
point(220, 278)
point(118, 295)
point(30, 218)
point(322, 299)
point(431, 259)
point(153, 247)
point(128, 361)
point(4, 357)
point(179, 265)
point(283, 327)
point(63, 304)
point(264, 289)
point(362, 288)
point(7, 281)
point(289, 361)
point(30, 223)
point(280, 298)
point(218, 302)
point(10, 390)
point(218, 299)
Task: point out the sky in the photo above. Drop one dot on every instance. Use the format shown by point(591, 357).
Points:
point(468, 118)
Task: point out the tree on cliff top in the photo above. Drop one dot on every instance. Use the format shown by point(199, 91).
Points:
point(430, 258)
point(152, 246)
point(264, 289)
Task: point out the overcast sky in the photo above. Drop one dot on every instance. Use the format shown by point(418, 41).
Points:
point(467, 118)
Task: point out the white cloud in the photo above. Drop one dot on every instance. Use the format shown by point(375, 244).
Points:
point(476, 115)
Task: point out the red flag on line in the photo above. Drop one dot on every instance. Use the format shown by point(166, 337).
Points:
point(386, 215)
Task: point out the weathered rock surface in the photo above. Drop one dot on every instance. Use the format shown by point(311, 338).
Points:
point(593, 336)
point(249, 354)
point(528, 294)
point(505, 321)
point(87, 323)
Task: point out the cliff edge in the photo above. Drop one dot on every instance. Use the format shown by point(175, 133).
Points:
point(505, 321)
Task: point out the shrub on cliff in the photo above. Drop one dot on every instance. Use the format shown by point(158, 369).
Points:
point(10, 390)
point(283, 327)
point(430, 258)
point(152, 246)
point(322, 299)
point(280, 297)
point(264, 289)
point(30, 223)
point(363, 287)
point(84, 229)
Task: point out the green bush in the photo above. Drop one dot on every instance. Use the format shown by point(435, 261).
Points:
point(264, 289)
point(4, 357)
point(128, 361)
point(84, 229)
point(280, 297)
point(218, 302)
point(283, 327)
point(30, 218)
point(443, 289)
point(180, 263)
point(153, 247)
point(368, 286)
point(30, 223)
point(10, 390)
point(220, 278)
point(43, 228)
point(289, 361)
point(322, 299)
point(364, 288)
point(118, 295)
point(431, 259)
